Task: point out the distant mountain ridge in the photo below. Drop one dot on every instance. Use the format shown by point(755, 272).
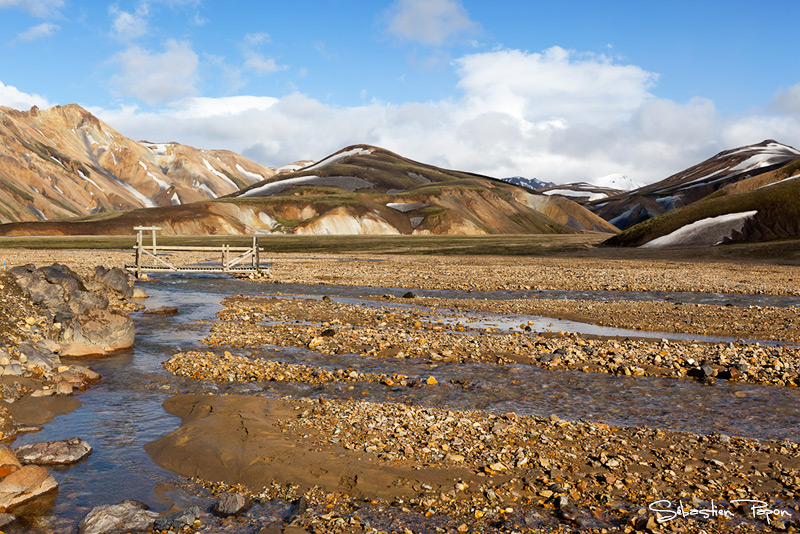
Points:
point(529, 183)
point(64, 162)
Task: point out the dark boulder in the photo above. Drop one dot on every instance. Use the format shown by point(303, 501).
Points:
point(115, 278)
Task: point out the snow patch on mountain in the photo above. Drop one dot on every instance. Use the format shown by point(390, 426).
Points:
point(578, 194)
point(222, 176)
point(705, 232)
point(247, 174)
point(339, 157)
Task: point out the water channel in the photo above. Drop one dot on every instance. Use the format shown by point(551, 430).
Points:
point(123, 412)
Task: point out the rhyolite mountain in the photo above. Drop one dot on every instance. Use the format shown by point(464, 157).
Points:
point(697, 182)
point(64, 162)
point(359, 190)
point(754, 200)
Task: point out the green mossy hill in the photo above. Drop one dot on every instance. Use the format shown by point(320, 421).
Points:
point(778, 217)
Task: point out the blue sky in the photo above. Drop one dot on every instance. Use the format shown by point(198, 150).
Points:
point(564, 91)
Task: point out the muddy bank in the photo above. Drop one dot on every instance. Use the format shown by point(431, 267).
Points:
point(465, 469)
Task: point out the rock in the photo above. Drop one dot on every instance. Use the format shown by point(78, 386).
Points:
point(33, 283)
point(80, 301)
point(566, 511)
point(100, 330)
point(13, 369)
point(328, 332)
point(115, 278)
point(8, 460)
point(231, 504)
point(23, 485)
point(64, 388)
point(164, 310)
point(298, 509)
point(177, 520)
point(63, 276)
point(64, 452)
point(408, 295)
point(127, 516)
point(85, 372)
point(38, 356)
point(6, 519)
point(139, 293)
point(326, 298)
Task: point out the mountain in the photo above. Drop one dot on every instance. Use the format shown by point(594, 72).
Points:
point(697, 182)
point(763, 207)
point(529, 183)
point(64, 162)
point(359, 190)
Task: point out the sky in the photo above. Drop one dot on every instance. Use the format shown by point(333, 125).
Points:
point(562, 91)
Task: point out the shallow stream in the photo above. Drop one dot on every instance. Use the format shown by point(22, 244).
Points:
point(123, 412)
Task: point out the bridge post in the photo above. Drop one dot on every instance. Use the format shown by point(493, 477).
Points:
point(139, 254)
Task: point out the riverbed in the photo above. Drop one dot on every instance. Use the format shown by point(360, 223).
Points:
point(124, 411)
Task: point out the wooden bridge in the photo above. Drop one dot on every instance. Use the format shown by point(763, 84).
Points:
point(234, 260)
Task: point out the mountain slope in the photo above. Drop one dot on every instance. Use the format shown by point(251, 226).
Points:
point(358, 190)
point(695, 183)
point(760, 208)
point(64, 162)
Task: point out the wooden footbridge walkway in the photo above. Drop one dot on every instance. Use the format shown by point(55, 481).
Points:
point(234, 260)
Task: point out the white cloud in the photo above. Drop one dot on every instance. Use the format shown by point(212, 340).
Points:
point(260, 64)
point(788, 100)
point(14, 98)
point(157, 77)
point(430, 22)
point(253, 39)
point(37, 8)
point(127, 26)
point(556, 115)
point(44, 29)
point(554, 83)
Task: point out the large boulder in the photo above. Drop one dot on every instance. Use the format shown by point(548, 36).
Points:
point(63, 276)
point(122, 518)
point(117, 279)
point(41, 292)
point(97, 332)
point(80, 301)
point(25, 484)
point(64, 452)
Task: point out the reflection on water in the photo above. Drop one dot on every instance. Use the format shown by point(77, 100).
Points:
point(124, 411)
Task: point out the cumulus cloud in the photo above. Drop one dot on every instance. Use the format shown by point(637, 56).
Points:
point(253, 39)
point(430, 22)
point(37, 8)
point(556, 115)
point(39, 31)
point(260, 64)
point(157, 77)
point(14, 98)
point(127, 26)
